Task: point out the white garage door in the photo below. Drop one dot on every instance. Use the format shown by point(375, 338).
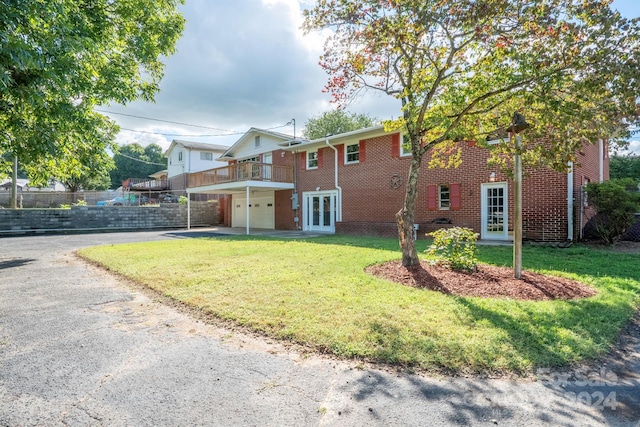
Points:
point(261, 211)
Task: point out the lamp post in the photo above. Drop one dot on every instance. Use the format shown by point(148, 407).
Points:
point(518, 125)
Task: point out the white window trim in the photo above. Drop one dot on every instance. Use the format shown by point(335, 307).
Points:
point(255, 159)
point(307, 153)
point(256, 141)
point(402, 152)
point(346, 154)
point(497, 141)
point(204, 154)
point(440, 207)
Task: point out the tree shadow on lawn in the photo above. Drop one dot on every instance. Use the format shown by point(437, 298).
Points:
point(550, 334)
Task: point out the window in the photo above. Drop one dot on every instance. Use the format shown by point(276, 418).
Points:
point(405, 145)
point(353, 153)
point(312, 159)
point(256, 141)
point(206, 156)
point(250, 159)
point(444, 199)
point(180, 156)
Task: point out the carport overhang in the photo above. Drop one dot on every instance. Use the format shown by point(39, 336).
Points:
point(244, 187)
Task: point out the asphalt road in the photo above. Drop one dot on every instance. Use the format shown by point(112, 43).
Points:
point(79, 347)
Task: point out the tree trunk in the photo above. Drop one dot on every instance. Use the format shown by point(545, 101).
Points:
point(406, 215)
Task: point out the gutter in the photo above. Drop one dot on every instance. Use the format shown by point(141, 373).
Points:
point(335, 169)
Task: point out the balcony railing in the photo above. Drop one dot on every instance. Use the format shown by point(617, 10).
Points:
point(248, 171)
point(146, 184)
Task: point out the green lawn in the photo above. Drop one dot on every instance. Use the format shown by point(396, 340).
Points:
point(315, 292)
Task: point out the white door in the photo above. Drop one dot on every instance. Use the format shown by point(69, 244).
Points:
point(319, 211)
point(267, 159)
point(494, 214)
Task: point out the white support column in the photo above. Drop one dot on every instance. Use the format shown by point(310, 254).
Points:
point(188, 211)
point(601, 160)
point(248, 202)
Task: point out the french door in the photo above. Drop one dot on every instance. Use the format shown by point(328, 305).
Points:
point(494, 215)
point(319, 211)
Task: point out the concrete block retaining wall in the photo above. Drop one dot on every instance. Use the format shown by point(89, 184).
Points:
point(81, 218)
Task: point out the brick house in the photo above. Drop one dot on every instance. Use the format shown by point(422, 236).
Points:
point(354, 183)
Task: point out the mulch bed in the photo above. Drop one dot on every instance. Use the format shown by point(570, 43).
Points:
point(488, 282)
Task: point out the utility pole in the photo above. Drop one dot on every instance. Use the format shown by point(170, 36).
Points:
point(14, 184)
point(518, 125)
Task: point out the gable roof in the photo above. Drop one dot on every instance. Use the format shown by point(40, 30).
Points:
point(196, 146)
point(340, 138)
point(229, 153)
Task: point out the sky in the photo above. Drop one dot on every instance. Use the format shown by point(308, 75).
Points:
point(243, 64)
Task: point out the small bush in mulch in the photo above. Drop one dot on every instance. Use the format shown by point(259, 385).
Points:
point(488, 281)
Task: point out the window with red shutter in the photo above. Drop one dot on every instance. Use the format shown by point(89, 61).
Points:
point(340, 154)
point(395, 145)
point(432, 197)
point(320, 151)
point(455, 192)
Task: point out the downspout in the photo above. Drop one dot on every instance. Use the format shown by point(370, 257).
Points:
point(601, 160)
point(295, 189)
point(570, 202)
point(335, 157)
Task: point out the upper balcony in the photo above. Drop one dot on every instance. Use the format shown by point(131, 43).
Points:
point(241, 175)
point(140, 184)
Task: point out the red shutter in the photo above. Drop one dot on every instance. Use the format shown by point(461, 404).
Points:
point(432, 197)
point(455, 194)
point(340, 154)
point(303, 163)
point(320, 151)
point(395, 145)
point(363, 153)
point(233, 162)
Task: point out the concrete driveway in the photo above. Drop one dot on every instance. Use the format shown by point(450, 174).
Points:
point(79, 347)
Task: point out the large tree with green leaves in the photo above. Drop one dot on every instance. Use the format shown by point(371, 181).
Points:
point(61, 58)
point(135, 161)
point(461, 69)
point(335, 122)
point(625, 167)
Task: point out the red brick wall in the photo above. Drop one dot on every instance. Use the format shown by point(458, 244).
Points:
point(370, 202)
point(284, 219)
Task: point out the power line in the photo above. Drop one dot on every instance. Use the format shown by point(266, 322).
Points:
point(197, 136)
point(178, 134)
point(139, 160)
point(164, 121)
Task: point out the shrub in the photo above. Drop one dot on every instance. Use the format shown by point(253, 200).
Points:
point(616, 202)
point(455, 247)
point(183, 200)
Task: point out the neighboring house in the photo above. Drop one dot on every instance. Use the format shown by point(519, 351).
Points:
point(354, 183)
point(23, 185)
point(187, 157)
